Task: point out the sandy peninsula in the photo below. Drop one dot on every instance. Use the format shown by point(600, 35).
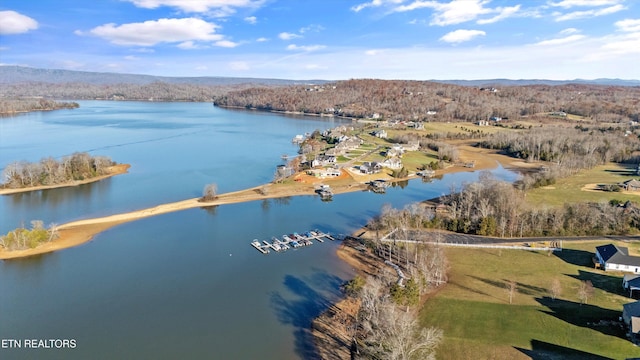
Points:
point(78, 232)
point(111, 171)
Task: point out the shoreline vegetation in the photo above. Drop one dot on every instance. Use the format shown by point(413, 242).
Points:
point(78, 232)
point(111, 171)
point(10, 107)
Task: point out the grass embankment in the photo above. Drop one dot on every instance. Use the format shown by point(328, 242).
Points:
point(582, 187)
point(478, 321)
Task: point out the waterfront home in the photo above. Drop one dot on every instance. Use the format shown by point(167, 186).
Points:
point(370, 168)
point(392, 163)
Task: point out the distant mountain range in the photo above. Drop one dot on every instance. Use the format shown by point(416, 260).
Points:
point(11, 74)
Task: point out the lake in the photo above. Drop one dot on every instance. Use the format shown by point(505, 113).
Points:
point(185, 284)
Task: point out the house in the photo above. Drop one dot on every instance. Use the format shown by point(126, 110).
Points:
point(482, 123)
point(612, 257)
point(392, 163)
point(631, 282)
point(631, 185)
point(395, 151)
point(412, 145)
point(323, 160)
point(370, 168)
point(382, 134)
point(631, 319)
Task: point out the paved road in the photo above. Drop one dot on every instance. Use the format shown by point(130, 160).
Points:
point(457, 238)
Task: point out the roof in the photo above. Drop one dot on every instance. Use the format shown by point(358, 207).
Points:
point(617, 255)
point(631, 310)
point(633, 283)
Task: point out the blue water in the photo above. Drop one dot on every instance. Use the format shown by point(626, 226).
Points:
point(185, 284)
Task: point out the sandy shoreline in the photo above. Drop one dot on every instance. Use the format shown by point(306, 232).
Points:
point(78, 232)
point(112, 171)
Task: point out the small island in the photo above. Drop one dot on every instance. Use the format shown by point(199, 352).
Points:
point(76, 169)
point(23, 105)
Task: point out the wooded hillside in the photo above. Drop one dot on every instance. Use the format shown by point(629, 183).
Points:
point(430, 101)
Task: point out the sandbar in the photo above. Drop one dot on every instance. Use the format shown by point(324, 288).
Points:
point(78, 232)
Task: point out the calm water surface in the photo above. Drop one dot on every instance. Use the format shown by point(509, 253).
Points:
point(185, 284)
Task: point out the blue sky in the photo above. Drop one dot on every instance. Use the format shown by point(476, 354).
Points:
point(328, 39)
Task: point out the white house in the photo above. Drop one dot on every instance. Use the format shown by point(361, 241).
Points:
point(392, 163)
point(612, 257)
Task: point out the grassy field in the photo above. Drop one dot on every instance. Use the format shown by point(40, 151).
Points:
point(480, 323)
point(568, 190)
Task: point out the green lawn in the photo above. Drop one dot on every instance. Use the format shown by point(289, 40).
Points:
point(478, 321)
point(568, 190)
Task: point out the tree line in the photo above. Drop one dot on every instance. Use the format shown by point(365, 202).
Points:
point(49, 171)
point(418, 100)
point(497, 208)
point(565, 150)
point(8, 106)
point(156, 91)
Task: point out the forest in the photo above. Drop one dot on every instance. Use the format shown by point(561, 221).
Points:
point(156, 91)
point(49, 171)
point(431, 101)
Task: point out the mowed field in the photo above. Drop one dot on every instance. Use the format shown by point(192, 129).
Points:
point(579, 187)
point(479, 322)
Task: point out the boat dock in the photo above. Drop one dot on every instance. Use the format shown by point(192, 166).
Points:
point(291, 241)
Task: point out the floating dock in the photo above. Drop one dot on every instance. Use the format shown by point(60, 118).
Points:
point(262, 248)
point(293, 240)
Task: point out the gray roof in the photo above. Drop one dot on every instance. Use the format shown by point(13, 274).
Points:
point(617, 255)
point(630, 310)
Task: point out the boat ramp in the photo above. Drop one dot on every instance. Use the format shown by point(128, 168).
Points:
point(291, 241)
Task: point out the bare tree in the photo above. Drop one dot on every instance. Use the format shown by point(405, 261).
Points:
point(512, 288)
point(210, 192)
point(556, 288)
point(585, 291)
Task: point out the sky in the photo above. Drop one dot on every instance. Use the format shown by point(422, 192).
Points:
point(328, 39)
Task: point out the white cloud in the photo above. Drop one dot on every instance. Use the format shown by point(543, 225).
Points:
point(262, 39)
point(569, 31)
point(288, 36)
point(589, 13)
point(313, 28)
point(131, 58)
point(455, 12)
point(189, 45)
point(153, 32)
point(504, 13)
point(628, 25)
point(373, 52)
point(560, 41)
point(223, 7)
point(12, 22)
point(374, 3)
point(630, 44)
point(305, 47)
point(584, 3)
point(461, 35)
point(226, 43)
point(251, 19)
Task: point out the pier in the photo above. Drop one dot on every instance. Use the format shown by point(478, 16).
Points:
point(291, 241)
